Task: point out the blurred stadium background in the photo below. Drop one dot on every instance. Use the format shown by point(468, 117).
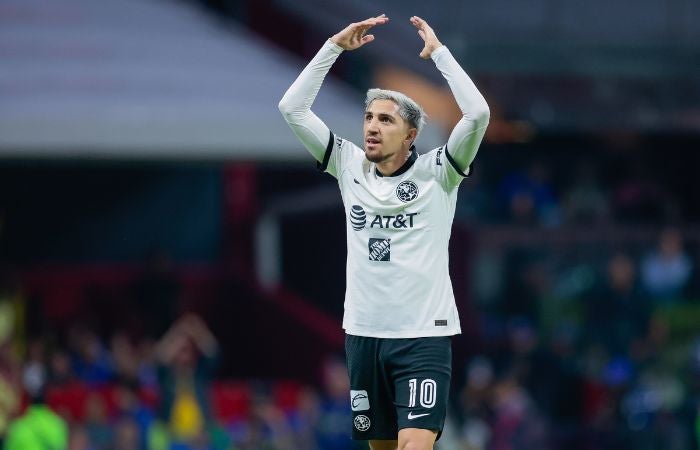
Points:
point(172, 265)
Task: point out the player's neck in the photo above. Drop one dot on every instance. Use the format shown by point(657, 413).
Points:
point(391, 165)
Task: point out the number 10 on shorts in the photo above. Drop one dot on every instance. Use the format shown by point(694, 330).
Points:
point(428, 388)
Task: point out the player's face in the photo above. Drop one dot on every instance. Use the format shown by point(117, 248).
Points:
point(386, 133)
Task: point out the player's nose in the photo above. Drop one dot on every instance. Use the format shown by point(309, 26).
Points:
point(372, 126)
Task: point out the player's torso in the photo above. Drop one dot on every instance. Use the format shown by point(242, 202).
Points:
point(398, 231)
point(386, 215)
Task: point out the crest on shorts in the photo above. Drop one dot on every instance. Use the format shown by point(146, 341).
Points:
point(407, 191)
point(362, 422)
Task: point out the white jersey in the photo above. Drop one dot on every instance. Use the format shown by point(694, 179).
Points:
point(398, 227)
point(398, 231)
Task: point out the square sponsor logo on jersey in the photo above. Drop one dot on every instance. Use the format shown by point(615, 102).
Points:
point(379, 249)
point(359, 400)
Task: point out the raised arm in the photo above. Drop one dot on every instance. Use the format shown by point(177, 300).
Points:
point(296, 103)
point(466, 136)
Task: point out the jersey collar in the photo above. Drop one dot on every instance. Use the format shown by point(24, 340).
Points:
point(407, 165)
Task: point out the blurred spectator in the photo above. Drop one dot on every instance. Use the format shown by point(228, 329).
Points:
point(529, 197)
point(130, 408)
point(92, 362)
point(336, 416)
point(96, 421)
point(648, 408)
point(305, 420)
point(268, 427)
point(475, 202)
point(79, 439)
point(585, 201)
point(35, 360)
point(156, 296)
point(666, 271)
point(517, 425)
point(187, 355)
point(474, 399)
point(616, 313)
point(61, 372)
point(124, 356)
point(9, 387)
point(527, 282)
point(127, 435)
point(147, 363)
point(39, 427)
point(641, 198)
point(9, 366)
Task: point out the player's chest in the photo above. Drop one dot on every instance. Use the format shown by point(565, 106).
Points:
point(388, 204)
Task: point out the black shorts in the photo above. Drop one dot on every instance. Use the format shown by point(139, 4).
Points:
point(398, 383)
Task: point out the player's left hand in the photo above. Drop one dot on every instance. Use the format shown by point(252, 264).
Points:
point(428, 35)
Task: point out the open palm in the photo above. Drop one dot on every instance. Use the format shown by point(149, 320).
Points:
point(355, 35)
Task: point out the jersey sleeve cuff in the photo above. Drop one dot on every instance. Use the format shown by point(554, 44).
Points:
point(438, 51)
point(334, 47)
point(323, 165)
point(454, 165)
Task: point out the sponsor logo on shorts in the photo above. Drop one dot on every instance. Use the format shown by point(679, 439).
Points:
point(412, 416)
point(362, 422)
point(359, 400)
point(379, 249)
point(441, 323)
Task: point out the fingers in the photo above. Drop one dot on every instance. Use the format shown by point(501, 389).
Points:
point(372, 21)
point(420, 23)
point(367, 38)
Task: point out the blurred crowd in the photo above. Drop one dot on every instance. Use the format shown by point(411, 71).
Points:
point(124, 394)
point(567, 353)
point(581, 193)
point(583, 346)
point(580, 333)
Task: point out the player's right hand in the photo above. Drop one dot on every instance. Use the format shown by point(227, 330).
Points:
point(355, 35)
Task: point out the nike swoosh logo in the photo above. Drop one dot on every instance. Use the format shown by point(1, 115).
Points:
point(356, 182)
point(357, 399)
point(412, 416)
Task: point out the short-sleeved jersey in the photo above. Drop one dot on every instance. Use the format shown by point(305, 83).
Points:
point(398, 231)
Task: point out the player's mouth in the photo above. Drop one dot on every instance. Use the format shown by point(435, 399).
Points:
point(372, 142)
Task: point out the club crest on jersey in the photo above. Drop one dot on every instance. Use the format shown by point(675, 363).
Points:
point(407, 191)
point(358, 217)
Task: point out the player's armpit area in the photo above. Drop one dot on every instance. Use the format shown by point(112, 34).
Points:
point(323, 164)
point(453, 163)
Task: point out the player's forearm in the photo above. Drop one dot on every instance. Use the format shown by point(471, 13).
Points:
point(295, 106)
point(465, 138)
point(470, 101)
point(302, 93)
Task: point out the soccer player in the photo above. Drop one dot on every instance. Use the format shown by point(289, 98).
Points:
point(399, 306)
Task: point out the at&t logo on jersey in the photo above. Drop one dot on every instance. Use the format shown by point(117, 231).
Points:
point(358, 218)
point(407, 191)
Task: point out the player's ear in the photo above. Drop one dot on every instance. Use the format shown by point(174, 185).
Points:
point(411, 136)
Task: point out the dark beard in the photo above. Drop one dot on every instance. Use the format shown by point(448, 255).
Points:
point(376, 158)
